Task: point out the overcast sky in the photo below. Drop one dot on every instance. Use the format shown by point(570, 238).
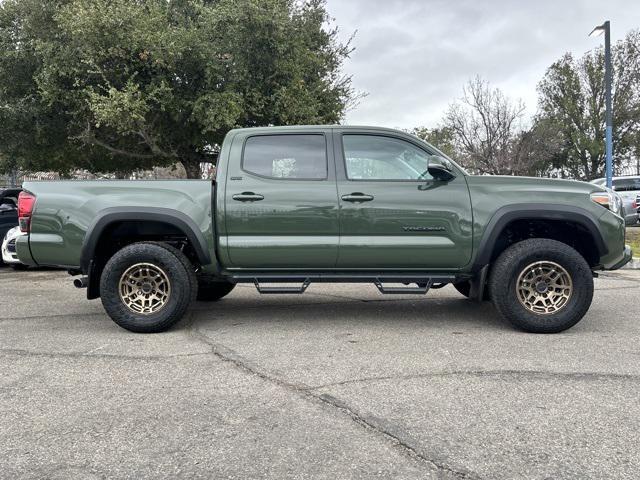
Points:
point(412, 57)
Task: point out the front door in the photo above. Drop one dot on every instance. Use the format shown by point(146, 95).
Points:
point(281, 203)
point(393, 214)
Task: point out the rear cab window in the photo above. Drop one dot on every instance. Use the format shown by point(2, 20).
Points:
point(286, 156)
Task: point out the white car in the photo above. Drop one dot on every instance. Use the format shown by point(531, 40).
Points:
point(9, 255)
point(628, 190)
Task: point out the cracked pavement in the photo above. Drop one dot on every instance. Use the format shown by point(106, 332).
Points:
point(341, 382)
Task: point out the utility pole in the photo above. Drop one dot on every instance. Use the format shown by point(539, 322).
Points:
point(599, 30)
point(13, 177)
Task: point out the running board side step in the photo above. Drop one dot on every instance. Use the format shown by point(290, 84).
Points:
point(423, 282)
point(420, 288)
point(280, 290)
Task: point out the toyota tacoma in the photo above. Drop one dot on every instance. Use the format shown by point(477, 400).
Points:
point(291, 206)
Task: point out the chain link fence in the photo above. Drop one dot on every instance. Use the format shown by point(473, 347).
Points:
point(207, 172)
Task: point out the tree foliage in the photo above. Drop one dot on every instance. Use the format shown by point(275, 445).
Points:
point(440, 137)
point(119, 85)
point(572, 103)
point(484, 131)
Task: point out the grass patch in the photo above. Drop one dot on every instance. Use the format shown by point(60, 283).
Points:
point(633, 239)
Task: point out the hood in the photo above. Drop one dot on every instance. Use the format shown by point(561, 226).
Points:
point(10, 192)
point(534, 184)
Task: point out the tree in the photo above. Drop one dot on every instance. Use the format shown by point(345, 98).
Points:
point(119, 85)
point(572, 103)
point(440, 137)
point(486, 126)
point(537, 150)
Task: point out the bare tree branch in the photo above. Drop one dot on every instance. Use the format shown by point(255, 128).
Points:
point(486, 125)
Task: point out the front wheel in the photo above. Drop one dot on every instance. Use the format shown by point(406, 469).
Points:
point(147, 287)
point(541, 285)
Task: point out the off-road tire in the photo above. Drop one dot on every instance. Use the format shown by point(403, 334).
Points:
point(213, 291)
point(193, 279)
point(507, 269)
point(176, 267)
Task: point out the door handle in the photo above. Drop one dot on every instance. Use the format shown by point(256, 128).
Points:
point(357, 197)
point(248, 197)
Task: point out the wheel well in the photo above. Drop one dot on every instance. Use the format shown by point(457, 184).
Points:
point(572, 233)
point(119, 234)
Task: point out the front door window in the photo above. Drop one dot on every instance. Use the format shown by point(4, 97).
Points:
point(370, 157)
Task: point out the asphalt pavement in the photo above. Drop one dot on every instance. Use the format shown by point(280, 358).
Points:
point(338, 383)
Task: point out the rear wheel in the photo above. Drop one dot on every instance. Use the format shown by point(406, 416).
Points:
point(147, 287)
point(541, 285)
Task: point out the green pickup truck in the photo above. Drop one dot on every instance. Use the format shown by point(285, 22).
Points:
point(291, 206)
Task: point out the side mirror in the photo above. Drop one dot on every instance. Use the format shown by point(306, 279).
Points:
point(440, 172)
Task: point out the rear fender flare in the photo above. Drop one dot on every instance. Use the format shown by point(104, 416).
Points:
point(169, 216)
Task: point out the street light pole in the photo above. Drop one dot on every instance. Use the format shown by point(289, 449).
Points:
point(609, 114)
point(606, 29)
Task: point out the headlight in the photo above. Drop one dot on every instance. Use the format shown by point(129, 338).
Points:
point(610, 200)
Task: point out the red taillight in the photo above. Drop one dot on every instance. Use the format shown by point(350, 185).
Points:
point(26, 201)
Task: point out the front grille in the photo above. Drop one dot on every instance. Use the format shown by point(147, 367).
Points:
point(11, 246)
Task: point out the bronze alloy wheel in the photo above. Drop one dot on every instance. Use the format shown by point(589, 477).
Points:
point(144, 288)
point(544, 287)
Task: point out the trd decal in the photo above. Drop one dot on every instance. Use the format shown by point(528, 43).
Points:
point(423, 229)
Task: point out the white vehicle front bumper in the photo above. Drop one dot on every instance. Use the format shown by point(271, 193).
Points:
point(9, 254)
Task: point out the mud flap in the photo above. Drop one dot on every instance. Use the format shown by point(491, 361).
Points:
point(476, 292)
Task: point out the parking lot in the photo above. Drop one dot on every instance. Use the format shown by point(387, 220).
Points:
point(338, 383)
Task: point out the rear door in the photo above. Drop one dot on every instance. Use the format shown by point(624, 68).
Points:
point(281, 203)
point(393, 214)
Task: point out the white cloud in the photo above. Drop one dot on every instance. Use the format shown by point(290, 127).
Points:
point(412, 57)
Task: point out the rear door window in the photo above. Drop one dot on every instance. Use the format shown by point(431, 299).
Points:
point(294, 157)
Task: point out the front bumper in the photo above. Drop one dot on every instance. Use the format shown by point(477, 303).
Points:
point(631, 219)
point(626, 257)
point(9, 255)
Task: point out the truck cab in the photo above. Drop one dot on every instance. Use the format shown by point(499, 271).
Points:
point(340, 198)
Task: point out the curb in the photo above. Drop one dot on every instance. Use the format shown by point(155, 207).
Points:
point(634, 264)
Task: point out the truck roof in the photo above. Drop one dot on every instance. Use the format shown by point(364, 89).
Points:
point(316, 127)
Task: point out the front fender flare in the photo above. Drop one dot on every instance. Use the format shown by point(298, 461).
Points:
point(535, 211)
